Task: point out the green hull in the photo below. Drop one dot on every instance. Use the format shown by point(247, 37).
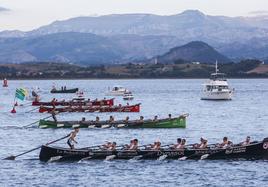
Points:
point(179, 122)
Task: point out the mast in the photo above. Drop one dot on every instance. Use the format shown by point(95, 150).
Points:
point(216, 67)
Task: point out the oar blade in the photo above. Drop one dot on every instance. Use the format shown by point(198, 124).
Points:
point(10, 158)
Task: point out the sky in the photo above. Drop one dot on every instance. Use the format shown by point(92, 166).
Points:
point(26, 15)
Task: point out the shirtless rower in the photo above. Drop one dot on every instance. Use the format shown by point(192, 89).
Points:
point(178, 144)
point(156, 145)
point(224, 143)
point(246, 142)
point(71, 140)
point(134, 145)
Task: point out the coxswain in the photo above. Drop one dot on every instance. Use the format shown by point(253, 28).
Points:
point(246, 142)
point(169, 116)
point(54, 113)
point(134, 145)
point(155, 118)
point(71, 140)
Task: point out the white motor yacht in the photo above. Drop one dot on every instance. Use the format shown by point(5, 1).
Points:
point(217, 87)
point(117, 91)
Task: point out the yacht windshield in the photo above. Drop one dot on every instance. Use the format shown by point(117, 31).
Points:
point(218, 76)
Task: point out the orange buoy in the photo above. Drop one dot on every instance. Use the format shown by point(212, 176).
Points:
point(13, 110)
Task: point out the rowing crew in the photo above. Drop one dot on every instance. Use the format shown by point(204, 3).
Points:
point(111, 119)
point(181, 143)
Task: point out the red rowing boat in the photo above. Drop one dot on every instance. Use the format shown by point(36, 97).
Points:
point(118, 108)
point(104, 102)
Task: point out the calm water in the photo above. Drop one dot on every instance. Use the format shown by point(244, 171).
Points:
point(246, 114)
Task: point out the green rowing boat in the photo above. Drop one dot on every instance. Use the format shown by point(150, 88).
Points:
point(178, 122)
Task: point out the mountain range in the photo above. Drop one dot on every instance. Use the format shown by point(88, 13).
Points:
point(120, 38)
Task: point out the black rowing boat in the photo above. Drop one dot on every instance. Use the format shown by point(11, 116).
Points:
point(74, 90)
point(253, 151)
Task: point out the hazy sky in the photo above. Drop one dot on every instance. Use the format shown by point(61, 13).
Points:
point(30, 14)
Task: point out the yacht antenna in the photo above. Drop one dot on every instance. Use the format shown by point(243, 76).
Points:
point(216, 67)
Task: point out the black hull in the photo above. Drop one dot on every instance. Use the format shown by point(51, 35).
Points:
point(253, 151)
point(65, 91)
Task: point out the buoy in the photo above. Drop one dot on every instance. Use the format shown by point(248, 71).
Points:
point(13, 110)
point(16, 104)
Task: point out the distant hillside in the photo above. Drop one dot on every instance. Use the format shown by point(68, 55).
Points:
point(81, 48)
point(88, 49)
point(44, 70)
point(235, 37)
point(196, 51)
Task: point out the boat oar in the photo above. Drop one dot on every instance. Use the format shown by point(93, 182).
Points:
point(32, 109)
point(14, 157)
point(39, 120)
point(36, 122)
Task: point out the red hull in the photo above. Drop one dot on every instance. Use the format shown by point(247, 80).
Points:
point(132, 108)
point(105, 102)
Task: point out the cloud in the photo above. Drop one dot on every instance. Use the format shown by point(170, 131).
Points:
point(3, 9)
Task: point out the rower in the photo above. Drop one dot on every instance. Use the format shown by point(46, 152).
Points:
point(71, 140)
point(107, 145)
point(155, 118)
point(224, 143)
point(134, 145)
point(127, 119)
point(246, 142)
point(141, 119)
point(177, 146)
point(130, 144)
point(156, 146)
point(112, 146)
point(204, 144)
point(169, 116)
point(83, 120)
point(183, 143)
point(97, 119)
point(111, 120)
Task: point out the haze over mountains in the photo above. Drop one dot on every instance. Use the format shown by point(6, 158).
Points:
point(128, 37)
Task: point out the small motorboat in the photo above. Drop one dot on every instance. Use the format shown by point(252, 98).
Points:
point(117, 91)
point(217, 87)
point(128, 96)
